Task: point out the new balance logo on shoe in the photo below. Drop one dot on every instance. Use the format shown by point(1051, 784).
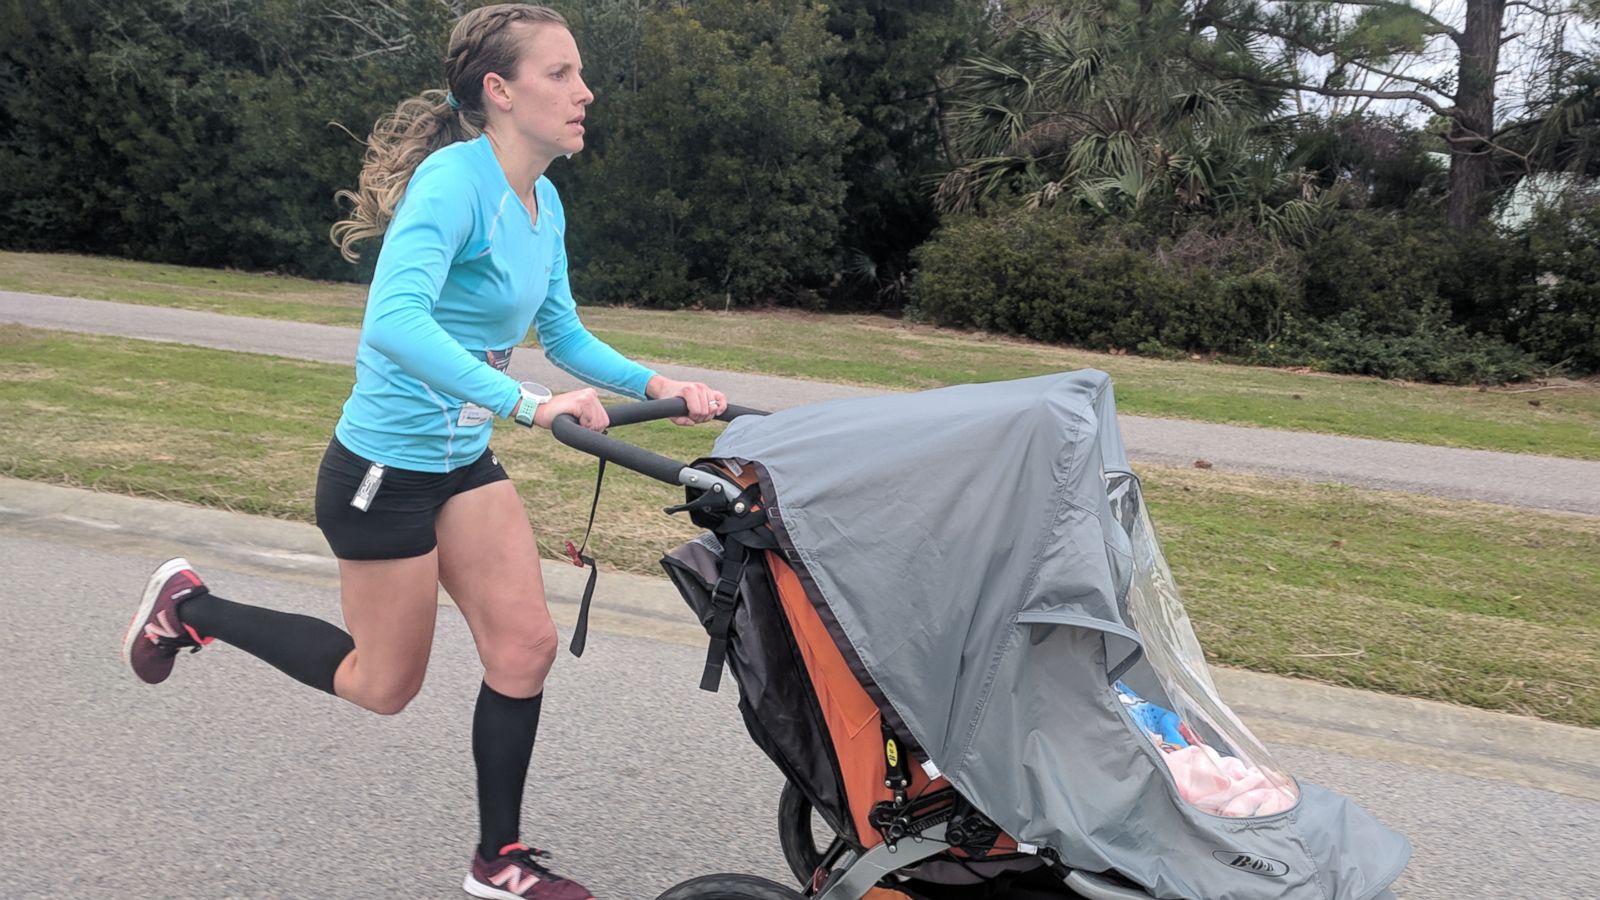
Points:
point(161, 628)
point(510, 879)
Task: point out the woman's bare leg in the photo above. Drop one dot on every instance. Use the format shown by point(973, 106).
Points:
point(390, 607)
point(490, 565)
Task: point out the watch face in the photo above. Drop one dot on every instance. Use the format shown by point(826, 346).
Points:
point(537, 391)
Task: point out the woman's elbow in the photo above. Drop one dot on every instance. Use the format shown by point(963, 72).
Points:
point(386, 333)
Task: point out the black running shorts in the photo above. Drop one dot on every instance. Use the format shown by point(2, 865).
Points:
point(400, 505)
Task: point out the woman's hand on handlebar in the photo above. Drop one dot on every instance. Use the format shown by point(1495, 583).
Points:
point(583, 405)
point(704, 402)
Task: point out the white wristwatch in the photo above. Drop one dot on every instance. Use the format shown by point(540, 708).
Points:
point(533, 394)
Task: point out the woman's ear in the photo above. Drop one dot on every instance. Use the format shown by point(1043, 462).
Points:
point(496, 92)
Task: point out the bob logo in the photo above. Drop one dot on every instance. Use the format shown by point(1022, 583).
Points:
point(1255, 865)
point(892, 751)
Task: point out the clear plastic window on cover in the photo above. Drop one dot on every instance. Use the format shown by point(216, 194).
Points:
point(1219, 767)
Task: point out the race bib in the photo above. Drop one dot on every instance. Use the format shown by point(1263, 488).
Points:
point(471, 413)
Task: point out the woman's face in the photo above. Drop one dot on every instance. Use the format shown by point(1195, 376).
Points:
point(547, 100)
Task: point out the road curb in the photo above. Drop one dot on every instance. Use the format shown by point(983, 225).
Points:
point(1462, 740)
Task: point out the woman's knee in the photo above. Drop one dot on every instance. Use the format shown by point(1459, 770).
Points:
point(522, 658)
point(391, 699)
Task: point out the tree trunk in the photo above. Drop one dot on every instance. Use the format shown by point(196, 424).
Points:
point(1471, 166)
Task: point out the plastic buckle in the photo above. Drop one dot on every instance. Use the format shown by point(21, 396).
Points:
point(706, 500)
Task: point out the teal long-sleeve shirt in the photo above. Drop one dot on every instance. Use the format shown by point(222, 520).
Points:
point(464, 272)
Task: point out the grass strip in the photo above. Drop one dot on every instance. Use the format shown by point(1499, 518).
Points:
point(1466, 602)
point(880, 352)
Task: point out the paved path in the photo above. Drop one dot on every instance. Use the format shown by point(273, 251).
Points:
point(231, 781)
point(1507, 478)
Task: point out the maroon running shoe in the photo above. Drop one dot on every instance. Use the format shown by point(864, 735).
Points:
point(517, 875)
point(156, 635)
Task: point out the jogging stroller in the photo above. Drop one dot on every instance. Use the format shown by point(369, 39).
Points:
point(954, 631)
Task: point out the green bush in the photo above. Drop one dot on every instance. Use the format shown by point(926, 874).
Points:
point(1435, 350)
point(1383, 268)
point(1227, 313)
point(1062, 278)
point(199, 133)
point(717, 179)
point(1484, 282)
point(196, 133)
point(1037, 275)
point(1558, 315)
point(894, 55)
point(1459, 299)
point(1368, 161)
point(1404, 296)
point(1056, 277)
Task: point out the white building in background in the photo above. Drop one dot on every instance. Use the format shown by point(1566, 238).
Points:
point(1540, 190)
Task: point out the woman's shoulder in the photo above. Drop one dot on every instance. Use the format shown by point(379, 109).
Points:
point(454, 166)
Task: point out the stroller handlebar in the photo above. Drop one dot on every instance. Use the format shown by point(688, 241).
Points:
point(629, 456)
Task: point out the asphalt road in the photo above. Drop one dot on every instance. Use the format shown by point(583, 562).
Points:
point(232, 781)
point(1506, 478)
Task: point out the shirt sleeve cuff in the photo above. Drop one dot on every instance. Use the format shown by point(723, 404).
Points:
point(644, 383)
point(513, 396)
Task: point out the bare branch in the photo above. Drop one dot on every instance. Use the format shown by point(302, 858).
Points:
point(1396, 76)
point(1489, 147)
point(1519, 125)
point(1424, 99)
point(382, 43)
point(1541, 10)
point(1310, 46)
point(376, 51)
point(371, 32)
point(392, 11)
point(1439, 27)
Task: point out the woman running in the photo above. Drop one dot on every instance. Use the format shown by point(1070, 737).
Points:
point(409, 495)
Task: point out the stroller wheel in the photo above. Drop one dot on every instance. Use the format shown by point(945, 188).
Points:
point(730, 887)
point(797, 834)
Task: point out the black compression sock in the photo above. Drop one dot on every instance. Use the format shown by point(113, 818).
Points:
point(503, 730)
point(306, 649)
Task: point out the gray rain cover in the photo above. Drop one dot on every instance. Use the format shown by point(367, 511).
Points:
point(975, 550)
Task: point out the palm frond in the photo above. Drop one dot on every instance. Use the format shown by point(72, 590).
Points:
point(1117, 115)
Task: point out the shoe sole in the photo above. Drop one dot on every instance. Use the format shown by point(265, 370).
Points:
point(478, 889)
point(152, 592)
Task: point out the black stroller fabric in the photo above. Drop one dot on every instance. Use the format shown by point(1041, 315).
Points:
point(777, 702)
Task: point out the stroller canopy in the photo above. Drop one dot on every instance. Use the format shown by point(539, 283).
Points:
point(983, 556)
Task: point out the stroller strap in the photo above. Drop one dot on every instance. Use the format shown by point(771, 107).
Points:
point(746, 534)
point(580, 631)
point(723, 599)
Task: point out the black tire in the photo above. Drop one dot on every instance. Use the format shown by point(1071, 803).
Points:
point(730, 887)
point(800, 848)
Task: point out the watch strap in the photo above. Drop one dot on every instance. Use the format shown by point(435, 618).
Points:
point(527, 409)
